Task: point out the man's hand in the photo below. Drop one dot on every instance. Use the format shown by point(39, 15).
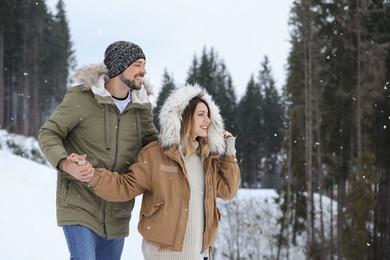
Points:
point(78, 167)
point(79, 159)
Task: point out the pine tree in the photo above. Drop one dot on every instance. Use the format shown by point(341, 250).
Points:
point(212, 74)
point(249, 148)
point(292, 197)
point(167, 86)
point(7, 8)
point(12, 40)
point(360, 204)
point(34, 49)
point(58, 60)
point(375, 79)
point(346, 94)
point(272, 126)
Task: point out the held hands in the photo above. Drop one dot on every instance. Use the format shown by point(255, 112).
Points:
point(78, 167)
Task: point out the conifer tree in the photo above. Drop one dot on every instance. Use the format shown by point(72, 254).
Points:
point(272, 129)
point(167, 86)
point(250, 127)
point(6, 30)
point(212, 74)
point(373, 18)
point(360, 203)
point(30, 59)
point(292, 197)
point(12, 30)
point(346, 44)
point(261, 129)
point(59, 60)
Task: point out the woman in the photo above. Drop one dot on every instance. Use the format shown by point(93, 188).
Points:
point(180, 177)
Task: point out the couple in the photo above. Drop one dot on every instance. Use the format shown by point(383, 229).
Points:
point(180, 174)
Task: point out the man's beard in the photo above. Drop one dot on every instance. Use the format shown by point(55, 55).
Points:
point(130, 83)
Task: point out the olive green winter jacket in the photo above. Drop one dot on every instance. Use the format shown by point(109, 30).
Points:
point(88, 122)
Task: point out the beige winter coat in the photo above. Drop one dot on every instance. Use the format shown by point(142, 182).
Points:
point(160, 175)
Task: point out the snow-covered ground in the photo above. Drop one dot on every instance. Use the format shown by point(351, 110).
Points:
point(28, 221)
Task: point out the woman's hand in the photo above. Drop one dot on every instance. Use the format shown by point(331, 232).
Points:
point(78, 167)
point(227, 134)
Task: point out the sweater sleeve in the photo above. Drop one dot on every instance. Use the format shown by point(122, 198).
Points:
point(230, 146)
point(149, 131)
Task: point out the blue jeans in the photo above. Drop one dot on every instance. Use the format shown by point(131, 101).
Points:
point(84, 244)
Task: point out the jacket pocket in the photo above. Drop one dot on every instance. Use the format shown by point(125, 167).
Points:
point(77, 196)
point(153, 213)
point(64, 191)
point(122, 209)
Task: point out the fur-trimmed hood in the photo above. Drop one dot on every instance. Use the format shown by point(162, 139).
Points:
point(92, 78)
point(171, 115)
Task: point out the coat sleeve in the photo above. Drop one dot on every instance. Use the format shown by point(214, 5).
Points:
point(53, 133)
point(229, 176)
point(149, 131)
point(115, 187)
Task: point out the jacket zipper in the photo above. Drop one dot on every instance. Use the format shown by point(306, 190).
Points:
point(116, 143)
point(207, 171)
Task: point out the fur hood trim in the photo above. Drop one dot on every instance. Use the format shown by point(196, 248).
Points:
point(171, 115)
point(92, 77)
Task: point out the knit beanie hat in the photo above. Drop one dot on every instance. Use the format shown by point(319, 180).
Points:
point(119, 55)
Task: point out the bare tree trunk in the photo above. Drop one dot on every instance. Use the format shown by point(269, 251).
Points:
point(331, 221)
point(33, 125)
point(24, 96)
point(358, 83)
point(288, 209)
point(341, 193)
point(287, 213)
point(2, 94)
point(307, 39)
point(320, 175)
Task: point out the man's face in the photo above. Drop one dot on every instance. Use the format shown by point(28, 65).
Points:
point(134, 74)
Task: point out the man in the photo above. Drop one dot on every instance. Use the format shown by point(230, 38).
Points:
point(107, 117)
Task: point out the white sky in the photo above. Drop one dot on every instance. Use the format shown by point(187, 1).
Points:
point(171, 32)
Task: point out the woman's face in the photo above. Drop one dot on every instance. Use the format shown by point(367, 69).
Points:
point(200, 121)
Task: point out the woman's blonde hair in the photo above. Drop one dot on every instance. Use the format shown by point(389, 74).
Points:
point(185, 130)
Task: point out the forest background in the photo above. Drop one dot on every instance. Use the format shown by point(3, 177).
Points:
point(325, 132)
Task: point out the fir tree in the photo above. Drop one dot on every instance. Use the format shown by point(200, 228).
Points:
point(212, 74)
point(360, 203)
point(250, 127)
point(167, 86)
point(35, 55)
point(272, 126)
